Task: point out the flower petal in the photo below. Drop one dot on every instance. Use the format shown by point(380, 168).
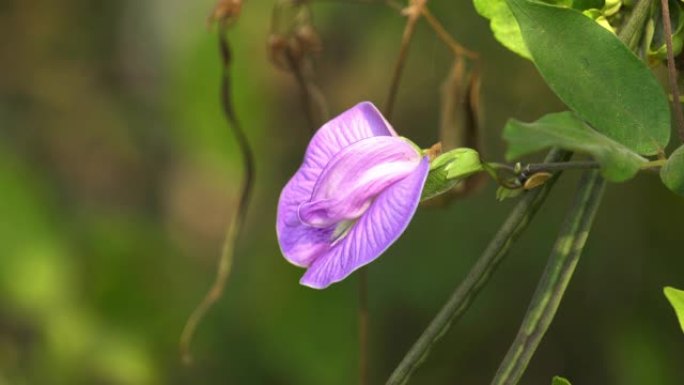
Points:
point(359, 122)
point(354, 176)
point(385, 220)
point(301, 244)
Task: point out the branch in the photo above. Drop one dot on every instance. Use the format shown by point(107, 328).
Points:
point(313, 101)
point(672, 70)
point(236, 221)
point(551, 287)
point(413, 13)
point(446, 38)
point(478, 276)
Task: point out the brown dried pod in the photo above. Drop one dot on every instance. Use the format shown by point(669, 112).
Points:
point(277, 46)
point(536, 180)
point(308, 37)
point(225, 11)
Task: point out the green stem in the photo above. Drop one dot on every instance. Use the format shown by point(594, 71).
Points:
point(631, 31)
point(532, 168)
point(559, 270)
point(548, 167)
point(478, 276)
point(559, 166)
point(654, 163)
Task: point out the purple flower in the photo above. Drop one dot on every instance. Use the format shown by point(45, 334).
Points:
point(353, 196)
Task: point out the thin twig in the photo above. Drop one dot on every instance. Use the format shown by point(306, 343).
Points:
point(236, 221)
point(446, 38)
point(558, 166)
point(313, 101)
point(452, 125)
point(562, 262)
point(478, 276)
point(413, 13)
point(672, 70)
point(436, 26)
point(390, 3)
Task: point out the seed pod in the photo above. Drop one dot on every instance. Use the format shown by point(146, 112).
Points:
point(308, 38)
point(225, 11)
point(536, 180)
point(276, 46)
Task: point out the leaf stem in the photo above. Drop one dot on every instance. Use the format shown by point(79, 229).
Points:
point(557, 275)
point(654, 164)
point(477, 277)
point(559, 166)
point(532, 168)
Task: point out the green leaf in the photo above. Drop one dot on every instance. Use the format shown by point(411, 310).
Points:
point(676, 298)
point(672, 174)
point(503, 25)
point(437, 183)
point(596, 75)
point(559, 381)
point(503, 193)
point(567, 131)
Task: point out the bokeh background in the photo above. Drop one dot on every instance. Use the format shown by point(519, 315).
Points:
point(118, 173)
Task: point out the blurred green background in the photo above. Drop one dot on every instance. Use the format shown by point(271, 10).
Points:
point(118, 173)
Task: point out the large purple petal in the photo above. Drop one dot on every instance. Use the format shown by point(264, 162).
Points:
point(359, 122)
point(385, 220)
point(301, 244)
point(354, 176)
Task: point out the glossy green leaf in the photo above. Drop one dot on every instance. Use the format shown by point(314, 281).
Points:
point(567, 131)
point(503, 25)
point(437, 183)
point(596, 75)
point(672, 174)
point(503, 193)
point(676, 298)
point(559, 381)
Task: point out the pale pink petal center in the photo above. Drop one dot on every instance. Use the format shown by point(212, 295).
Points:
point(355, 176)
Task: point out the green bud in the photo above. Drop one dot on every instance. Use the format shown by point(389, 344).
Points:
point(467, 162)
point(448, 169)
point(611, 7)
